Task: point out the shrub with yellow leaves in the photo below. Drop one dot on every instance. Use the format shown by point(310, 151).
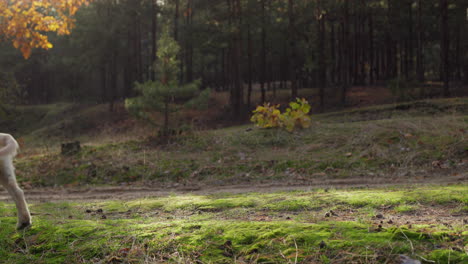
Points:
point(296, 116)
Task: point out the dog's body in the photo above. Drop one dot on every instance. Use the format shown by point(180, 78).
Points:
point(8, 150)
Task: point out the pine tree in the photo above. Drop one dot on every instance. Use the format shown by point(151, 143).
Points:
point(165, 94)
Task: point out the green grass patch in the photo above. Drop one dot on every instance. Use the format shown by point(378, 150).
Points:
point(277, 227)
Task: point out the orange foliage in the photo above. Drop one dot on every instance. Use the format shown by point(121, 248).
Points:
point(25, 22)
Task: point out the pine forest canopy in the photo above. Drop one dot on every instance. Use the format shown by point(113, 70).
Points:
point(242, 47)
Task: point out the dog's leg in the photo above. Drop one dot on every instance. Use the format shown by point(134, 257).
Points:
point(9, 182)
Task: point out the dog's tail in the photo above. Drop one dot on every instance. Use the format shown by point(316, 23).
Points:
point(10, 147)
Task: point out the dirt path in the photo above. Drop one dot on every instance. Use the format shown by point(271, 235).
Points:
point(133, 192)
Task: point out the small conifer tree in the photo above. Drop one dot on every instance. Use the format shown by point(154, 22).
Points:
point(166, 94)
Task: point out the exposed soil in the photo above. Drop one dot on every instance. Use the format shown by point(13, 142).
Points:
point(144, 190)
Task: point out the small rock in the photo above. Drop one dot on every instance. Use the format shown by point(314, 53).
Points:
point(407, 260)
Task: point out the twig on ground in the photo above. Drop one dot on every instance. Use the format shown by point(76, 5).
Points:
point(411, 243)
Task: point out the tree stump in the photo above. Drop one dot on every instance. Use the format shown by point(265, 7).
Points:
point(71, 148)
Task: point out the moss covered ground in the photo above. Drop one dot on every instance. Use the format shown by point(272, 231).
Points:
point(316, 226)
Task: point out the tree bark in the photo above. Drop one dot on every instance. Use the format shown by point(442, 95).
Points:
point(444, 44)
point(372, 63)
point(420, 45)
point(410, 68)
point(154, 29)
point(345, 70)
point(263, 54)
point(250, 61)
point(292, 50)
point(321, 55)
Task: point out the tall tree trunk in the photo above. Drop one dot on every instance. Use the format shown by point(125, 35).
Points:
point(104, 82)
point(250, 61)
point(346, 57)
point(292, 49)
point(410, 68)
point(332, 53)
point(189, 42)
point(113, 80)
point(166, 118)
point(176, 21)
point(458, 54)
point(138, 48)
point(372, 63)
point(154, 29)
point(321, 56)
point(420, 45)
point(263, 54)
point(444, 44)
point(237, 88)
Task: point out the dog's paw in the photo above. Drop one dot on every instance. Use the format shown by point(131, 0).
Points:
point(23, 225)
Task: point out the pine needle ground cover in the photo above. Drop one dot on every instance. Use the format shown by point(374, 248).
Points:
point(315, 226)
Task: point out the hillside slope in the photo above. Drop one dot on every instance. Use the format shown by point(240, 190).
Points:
point(421, 141)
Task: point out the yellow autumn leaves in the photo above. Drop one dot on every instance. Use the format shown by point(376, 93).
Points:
point(295, 116)
point(25, 22)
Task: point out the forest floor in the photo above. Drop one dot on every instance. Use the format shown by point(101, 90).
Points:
point(320, 225)
point(378, 184)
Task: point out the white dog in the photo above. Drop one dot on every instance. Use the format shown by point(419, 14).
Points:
point(8, 150)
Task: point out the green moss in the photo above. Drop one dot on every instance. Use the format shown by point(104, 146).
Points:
point(405, 208)
point(229, 227)
point(448, 256)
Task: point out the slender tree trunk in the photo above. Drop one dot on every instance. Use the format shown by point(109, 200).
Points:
point(333, 72)
point(166, 118)
point(263, 54)
point(419, 44)
point(458, 54)
point(113, 80)
point(176, 21)
point(292, 49)
point(250, 61)
point(410, 69)
point(237, 88)
point(390, 64)
point(154, 29)
point(222, 69)
point(321, 56)
point(189, 42)
point(138, 48)
point(346, 64)
point(103, 82)
point(371, 50)
point(444, 46)
point(355, 56)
